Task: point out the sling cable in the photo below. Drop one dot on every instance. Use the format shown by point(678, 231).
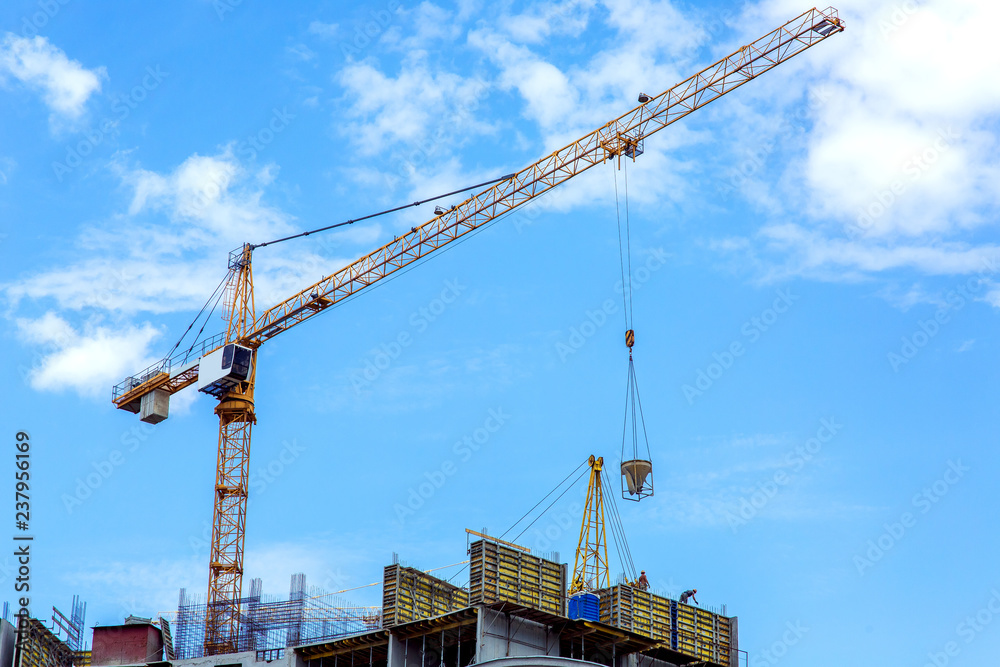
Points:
point(637, 472)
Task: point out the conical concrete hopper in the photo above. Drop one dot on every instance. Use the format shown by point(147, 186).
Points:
point(635, 473)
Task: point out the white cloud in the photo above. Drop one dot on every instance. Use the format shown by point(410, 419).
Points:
point(325, 30)
point(899, 155)
point(164, 254)
point(800, 250)
point(430, 23)
point(548, 94)
point(7, 165)
point(419, 107)
point(420, 115)
point(652, 38)
point(301, 52)
point(541, 20)
point(211, 205)
point(49, 329)
point(993, 295)
point(966, 345)
point(66, 85)
point(141, 588)
point(123, 284)
point(89, 360)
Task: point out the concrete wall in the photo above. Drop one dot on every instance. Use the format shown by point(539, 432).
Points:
point(502, 636)
point(245, 659)
point(8, 634)
point(537, 661)
point(126, 645)
point(633, 661)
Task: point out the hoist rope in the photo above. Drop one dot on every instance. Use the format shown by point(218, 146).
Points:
point(624, 250)
point(615, 536)
point(632, 400)
point(628, 248)
point(621, 251)
point(616, 524)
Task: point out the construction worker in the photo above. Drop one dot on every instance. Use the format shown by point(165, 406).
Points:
point(642, 583)
point(689, 594)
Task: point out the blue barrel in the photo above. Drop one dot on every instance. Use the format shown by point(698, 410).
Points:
point(585, 606)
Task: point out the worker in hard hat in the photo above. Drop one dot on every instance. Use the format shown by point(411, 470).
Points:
point(642, 583)
point(689, 594)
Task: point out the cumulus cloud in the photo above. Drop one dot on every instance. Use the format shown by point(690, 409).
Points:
point(165, 253)
point(168, 251)
point(325, 30)
point(213, 194)
point(541, 20)
point(653, 44)
point(895, 165)
point(87, 360)
point(417, 107)
point(65, 84)
point(873, 153)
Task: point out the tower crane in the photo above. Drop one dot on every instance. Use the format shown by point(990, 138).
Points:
point(590, 567)
point(225, 366)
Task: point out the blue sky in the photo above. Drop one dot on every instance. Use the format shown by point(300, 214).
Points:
point(833, 223)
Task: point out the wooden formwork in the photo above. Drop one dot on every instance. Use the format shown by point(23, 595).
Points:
point(411, 595)
point(498, 573)
point(36, 646)
point(684, 628)
point(640, 611)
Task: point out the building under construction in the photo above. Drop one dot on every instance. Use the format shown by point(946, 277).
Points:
point(514, 609)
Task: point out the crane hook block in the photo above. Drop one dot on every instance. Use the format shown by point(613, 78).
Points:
point(630, 338)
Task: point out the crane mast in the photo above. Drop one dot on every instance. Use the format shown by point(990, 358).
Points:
point(590, 567)
point(232, 472)
point(620, 138)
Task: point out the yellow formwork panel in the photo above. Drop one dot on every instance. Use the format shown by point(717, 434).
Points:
point(639, 611)
point(686, 644)
point(703, 634)
point(409, 595)
point(500, 573)
point(38, 647)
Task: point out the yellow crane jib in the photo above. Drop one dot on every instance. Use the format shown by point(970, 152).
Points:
point(147, 392)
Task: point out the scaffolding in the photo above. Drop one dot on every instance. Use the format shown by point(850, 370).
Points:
point(37, 646)
point(73, 626)
point(270, 623)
